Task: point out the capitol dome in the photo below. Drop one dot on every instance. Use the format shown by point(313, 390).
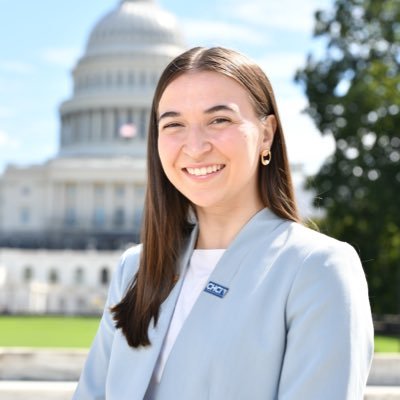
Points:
point(115, 79)
point(135, 26)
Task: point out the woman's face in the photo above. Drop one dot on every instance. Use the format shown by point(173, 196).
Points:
point(210, 140)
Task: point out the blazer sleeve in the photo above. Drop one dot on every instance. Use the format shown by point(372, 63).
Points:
point(329, 345)
point(92, 382)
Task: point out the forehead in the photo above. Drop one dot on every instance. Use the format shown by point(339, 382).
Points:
point(204, 89)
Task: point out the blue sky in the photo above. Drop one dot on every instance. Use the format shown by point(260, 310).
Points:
point(40, 42)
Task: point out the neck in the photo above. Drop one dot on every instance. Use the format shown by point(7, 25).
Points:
point(217, 229)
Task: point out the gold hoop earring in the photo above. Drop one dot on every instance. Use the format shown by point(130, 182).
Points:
point(265, 157)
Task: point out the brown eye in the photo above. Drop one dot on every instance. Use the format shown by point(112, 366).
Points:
point(172, 125)
point(220, 120)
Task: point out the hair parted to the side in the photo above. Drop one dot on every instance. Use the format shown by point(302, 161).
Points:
point(166, 224)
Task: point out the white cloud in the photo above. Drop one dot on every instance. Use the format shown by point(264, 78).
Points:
point(6, 112)
point(283, 14)
point(306, 145)
point(61, 56)
point(15, 67)
point(6, 141)
point(209, 32)
point(281, 65)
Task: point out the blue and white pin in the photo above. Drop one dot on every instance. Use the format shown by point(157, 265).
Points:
point(216, 289)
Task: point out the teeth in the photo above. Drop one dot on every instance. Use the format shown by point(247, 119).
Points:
point(204, 170)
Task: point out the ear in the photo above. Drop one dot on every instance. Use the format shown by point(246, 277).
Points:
point(270, 125)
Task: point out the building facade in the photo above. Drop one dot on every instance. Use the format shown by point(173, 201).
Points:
point(64, 223)
point(73, 282)
point(91, 193)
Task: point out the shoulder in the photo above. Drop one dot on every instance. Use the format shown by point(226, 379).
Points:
point(325, 261)
point(311, 243)
point(127, 266)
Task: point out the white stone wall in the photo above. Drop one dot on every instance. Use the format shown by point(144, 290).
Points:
point(38, 198)
point(55, 281)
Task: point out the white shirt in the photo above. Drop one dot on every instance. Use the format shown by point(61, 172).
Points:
point(202, 264)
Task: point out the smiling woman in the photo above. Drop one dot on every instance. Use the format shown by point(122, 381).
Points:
point(229, 296)
point(210, 145)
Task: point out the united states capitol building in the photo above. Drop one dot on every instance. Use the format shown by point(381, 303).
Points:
point(63, 223)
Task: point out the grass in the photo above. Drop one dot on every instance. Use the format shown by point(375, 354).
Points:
point(387, 344)
point(78, 332)
point(67, 332)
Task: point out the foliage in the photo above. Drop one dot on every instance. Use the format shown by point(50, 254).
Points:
point(353, 92)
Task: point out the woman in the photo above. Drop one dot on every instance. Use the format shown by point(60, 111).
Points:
point(229, 296)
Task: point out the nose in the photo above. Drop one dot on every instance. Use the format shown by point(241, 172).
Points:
point(196, 143)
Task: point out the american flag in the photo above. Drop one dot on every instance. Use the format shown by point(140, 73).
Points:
point(127, 131)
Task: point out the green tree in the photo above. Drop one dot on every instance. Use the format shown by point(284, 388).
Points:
point(353, 91)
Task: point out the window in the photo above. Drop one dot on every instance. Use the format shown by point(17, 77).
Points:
point(131, 79)
point(119, 217)
point(140, 192)
point(137, 219)
point(98, 192)
point(25, 191)
point(154, 78)
point(79, 276)
point(62, 304)
point(99, 217)
point(25, 215)
point(70, 192)
point(81, 304)
point(27, 274)
point(53, 276)
point(119, 191)
point(120, 78)
point(142, 79)
point(142, 123)
point(70, 217)
point(104, 276)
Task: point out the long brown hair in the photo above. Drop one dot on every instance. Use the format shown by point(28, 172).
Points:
point(165, 226)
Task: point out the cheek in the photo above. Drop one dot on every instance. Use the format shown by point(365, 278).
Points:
point(253, 136)
point(247, 142)
point(167, 151)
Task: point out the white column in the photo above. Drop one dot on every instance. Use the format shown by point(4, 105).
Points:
point(96, 126)
point(62, 131)
point(86, 204)
point(90, 132)
point(122, 118)
point(66, 130)
point(103, 125)
point(143, 123)
point(108, 203)
point(111, 124)
point(85, 134)
point(129, 204)
point(136, 121)
point(108, 125)
point(74, 128)
point(58, 199)
point(80, 137)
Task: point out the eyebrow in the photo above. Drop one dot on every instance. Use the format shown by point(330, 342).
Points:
point(168, 114)
point(220, 107)
point(211, 110)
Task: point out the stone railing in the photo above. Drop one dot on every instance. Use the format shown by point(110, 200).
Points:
point(52, 374)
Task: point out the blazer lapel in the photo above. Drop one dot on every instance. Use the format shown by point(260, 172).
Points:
point(244, 248)
point(245, 243)
point(132, 384)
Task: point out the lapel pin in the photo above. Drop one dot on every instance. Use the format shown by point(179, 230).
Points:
point(216, 289)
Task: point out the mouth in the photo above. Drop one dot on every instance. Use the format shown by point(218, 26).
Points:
point(204, 171)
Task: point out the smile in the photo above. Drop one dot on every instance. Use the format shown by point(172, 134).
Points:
point(204, 170)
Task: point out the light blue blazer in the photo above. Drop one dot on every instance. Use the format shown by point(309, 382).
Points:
point(295, 324)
